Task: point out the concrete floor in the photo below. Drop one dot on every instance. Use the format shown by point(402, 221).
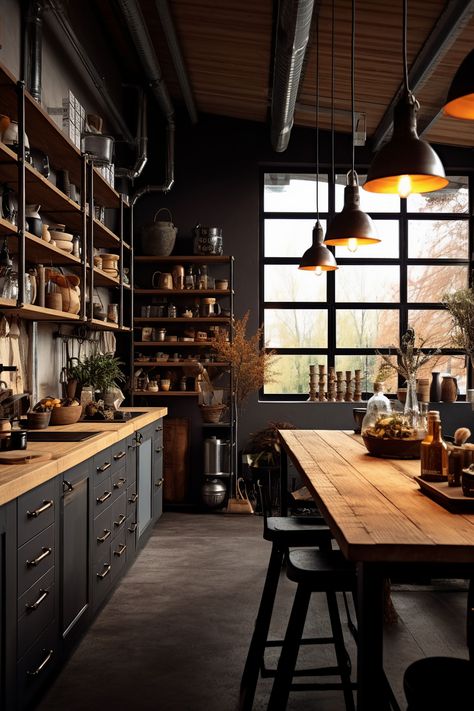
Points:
point(174, 635)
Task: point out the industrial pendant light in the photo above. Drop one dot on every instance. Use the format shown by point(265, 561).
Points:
point(406, 164)
point(318, 258)
point(351, 227)
point(460, 100)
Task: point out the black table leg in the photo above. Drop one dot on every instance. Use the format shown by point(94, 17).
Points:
point(371, 684)
point(283, 483)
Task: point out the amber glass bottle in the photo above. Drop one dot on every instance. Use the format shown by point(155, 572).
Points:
point(434, 452)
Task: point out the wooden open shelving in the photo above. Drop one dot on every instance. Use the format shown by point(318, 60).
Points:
point(182, 319)
point(166, 393)
point(183, 292)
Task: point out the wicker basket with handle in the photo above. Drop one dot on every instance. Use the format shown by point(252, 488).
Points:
point(212, 413)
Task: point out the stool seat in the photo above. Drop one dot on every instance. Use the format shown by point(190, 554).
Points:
point(294, 531)
point(321, 570)
point(439, 683)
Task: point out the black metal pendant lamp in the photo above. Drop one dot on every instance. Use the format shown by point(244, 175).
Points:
point(318, 258)
point(406, 164)
point(460, 99)
point(351, 227)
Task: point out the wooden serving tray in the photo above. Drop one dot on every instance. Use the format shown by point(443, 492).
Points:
point(450, 497)
point(24, 456)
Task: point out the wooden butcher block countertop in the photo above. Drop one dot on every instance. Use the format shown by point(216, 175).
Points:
point(17, 479)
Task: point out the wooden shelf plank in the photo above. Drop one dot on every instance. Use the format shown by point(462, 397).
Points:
point(37, 313)
point(176, 259)
point(174, 364)
point(104, 237)
point(166, 393)
point(184, 292)
point(39, 251)
point(98, 325)
point(181, 344)
point(183, 319)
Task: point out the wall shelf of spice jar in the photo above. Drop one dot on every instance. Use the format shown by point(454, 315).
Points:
point(179, 301)
point(43, 170)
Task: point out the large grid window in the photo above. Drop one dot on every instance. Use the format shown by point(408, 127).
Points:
point(341, 318)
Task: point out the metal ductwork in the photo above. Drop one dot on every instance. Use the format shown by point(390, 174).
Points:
point(146, 52)
point(141, 141)
point(293, 29)
point(34, 30)
point(167, 23)
point(67, 39)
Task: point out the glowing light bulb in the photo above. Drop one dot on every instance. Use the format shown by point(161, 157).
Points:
point(352, 244)
point(404, 186)
point(318, 271)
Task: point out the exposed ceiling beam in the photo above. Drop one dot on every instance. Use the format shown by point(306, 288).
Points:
point(449, 25)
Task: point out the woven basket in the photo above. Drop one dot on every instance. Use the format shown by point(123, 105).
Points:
point(212, 413)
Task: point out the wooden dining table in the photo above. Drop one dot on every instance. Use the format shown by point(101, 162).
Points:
point(382, 522)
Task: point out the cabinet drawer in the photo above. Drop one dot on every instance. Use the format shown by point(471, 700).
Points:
point(103, 531)
point(36, 667)
point(119, 482)
point(158, 433)
point(36, 511)
point(35, 611)
point(131, 536)
point(119, 514)
point(102, 576)
point(103, 495)
point(132, 498)
point(110, 460)
point(35, 558)
point(119, 553)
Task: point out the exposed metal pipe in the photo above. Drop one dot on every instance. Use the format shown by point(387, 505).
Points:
point(167, 23)
point(34, 28)
point(141, 141)
point(144, 46)
point(169, 177)
point(137, 26)
point(67, 38)
point(293, 28)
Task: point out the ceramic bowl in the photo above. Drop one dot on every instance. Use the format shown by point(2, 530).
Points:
point(67, 415)
point(37, 420)
point(392, 448)
point(62, 236)
point(65, 246)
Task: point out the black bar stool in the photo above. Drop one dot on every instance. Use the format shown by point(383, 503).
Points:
point(315, 571)
point(283, 532)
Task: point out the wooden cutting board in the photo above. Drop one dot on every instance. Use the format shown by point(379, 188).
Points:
point(24, 456)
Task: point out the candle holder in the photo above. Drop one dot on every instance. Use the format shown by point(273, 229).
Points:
point(357, 386)
point(339, 386)
point(331, 385)
point(348, 393)
point(322, 383)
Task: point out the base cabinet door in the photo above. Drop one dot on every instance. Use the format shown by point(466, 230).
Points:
point(144, 450)
point(76, 517)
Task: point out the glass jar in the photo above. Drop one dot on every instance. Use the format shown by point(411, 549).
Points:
point(171, 311)
point(377, 406)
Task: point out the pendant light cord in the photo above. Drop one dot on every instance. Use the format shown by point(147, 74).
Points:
point(353, 84)
point(333, 168)
point(405, 52)
point(317, 115)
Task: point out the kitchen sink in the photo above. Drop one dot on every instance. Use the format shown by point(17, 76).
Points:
point(45, 436)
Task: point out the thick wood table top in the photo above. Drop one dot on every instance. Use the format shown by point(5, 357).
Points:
point(373, 506)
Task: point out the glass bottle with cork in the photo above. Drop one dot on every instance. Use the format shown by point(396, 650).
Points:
point(434, 451)
point(377, 405)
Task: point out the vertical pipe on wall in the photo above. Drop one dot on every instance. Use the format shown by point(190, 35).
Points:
point(21, 193)
point(34, 31)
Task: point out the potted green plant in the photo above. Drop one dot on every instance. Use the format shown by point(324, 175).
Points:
point(100, 371)
point(460, 305)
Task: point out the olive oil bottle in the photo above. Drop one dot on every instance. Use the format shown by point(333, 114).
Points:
point(434, 452)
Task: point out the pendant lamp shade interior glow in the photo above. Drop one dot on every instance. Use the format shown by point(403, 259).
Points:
point(318, 258)
point(405, 164)
point(460, 99)
point(351, 227)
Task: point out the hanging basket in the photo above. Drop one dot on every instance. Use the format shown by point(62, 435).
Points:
point(212, 413)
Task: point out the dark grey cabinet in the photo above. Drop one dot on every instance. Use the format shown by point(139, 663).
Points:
point(75, 559)
point(63, 547)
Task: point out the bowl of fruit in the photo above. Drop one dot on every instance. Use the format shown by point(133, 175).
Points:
point(391, 436)
point(62, 411)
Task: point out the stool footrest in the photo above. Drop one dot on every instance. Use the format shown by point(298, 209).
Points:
point(336, 686)
point(308, 640)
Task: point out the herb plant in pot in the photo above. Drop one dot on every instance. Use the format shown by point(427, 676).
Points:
point(102, 372)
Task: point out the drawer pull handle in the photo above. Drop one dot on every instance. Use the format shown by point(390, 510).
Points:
point(133, 499)
point(158, 429)
point(46, 505)
point(31, 606)
point(133, 527)
point(122, 518)
point(106, 495)
point(67, 486)
point(39, 669)
point(107, 567)
point(120, 455)
point(45, 553)
point(107, 534)
point(121, 550)
point(160, 449)
point(104, 467)
point(119, 483)
point(160, 483)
